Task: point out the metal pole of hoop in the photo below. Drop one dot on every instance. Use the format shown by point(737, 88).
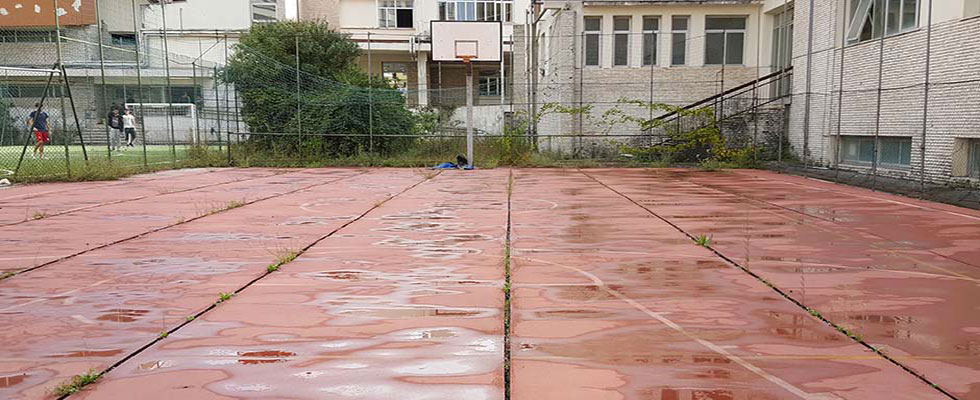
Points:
point(469, 108)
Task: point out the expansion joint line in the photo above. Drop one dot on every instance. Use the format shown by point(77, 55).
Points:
point(182, 222)
point(267, 272)
point(782, 293)
point(507, 288)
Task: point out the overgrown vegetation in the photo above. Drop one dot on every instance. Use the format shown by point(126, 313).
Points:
point(330, 95)
point(223, 297)
point(76, 383)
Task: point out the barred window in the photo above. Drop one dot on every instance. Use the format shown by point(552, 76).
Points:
point(678, 34)
point(593, 31)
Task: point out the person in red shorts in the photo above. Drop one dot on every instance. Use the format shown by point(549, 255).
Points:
point(39, 124)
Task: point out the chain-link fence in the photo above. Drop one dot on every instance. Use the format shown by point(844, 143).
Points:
point(715, 91)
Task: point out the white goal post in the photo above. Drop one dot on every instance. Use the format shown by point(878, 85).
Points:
point(156, 120)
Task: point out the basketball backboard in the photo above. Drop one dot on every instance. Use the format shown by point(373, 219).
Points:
point(473, 40)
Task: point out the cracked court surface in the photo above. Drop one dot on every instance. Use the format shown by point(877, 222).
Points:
point(394, 284)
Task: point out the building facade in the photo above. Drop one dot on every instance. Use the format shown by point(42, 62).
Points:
point(868, 108)
point(177, 71)
point(396, 43)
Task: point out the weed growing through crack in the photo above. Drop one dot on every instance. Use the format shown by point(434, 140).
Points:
point(190, 318)
point(163, 334)
point(39, 215)
point(223, 297)
point(76, 383)
point(272, 268)
point(6, 275)
point(426, 174)
point(703, 240)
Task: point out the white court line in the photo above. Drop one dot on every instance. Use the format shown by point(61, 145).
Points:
point(714, 347)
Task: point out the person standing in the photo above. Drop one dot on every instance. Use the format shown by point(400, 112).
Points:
point(39, 125)
point(129, 126)
point(114, 119)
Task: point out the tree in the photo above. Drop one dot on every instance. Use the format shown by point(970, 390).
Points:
point(330, 95)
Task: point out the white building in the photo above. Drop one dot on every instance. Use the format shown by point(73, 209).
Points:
point(395, 39)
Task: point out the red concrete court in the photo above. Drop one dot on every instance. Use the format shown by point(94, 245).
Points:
point(399, 287)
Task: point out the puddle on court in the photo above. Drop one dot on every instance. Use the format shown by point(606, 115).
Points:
point(11, 380)
point(155, 365)
point(427, 226)
point(226, 236)
point(88, 353)
point(264, 357)
point(397, 313)
point(168, 266)
point(122, 315)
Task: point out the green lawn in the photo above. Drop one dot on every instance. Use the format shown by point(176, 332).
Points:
point(55, 164)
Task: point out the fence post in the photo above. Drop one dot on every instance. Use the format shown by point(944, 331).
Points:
point(227, 114)
point(881, 75)
point(170, 90)
point(105, 101)
point(840, 110)
point(299, 103)
point(139, 84)
point(370, 98)
point(925, 106)
point(809, 85)
point(217, 105)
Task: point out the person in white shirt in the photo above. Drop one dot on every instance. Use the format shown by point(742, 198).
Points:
point(129, 125)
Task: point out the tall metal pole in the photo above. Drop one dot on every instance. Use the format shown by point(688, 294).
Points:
point(227, 103)
point(755, 87)
point(217, 106)
point(925, 106)
point(299, 103)
point(500, 85)
point(197, 118)
point(809, 86)
point(840, 109)
point(469, 112)
point(64, 124)
point(139, 81)
point(105, 101)
point(881, 76)
point(170, 91)
point(370, 98)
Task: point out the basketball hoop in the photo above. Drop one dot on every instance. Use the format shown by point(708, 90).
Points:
point(466, 58)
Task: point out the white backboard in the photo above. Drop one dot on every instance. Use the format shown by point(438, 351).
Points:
point(452, 39)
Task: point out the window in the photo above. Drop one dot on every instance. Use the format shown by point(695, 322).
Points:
point(782, 49)
point(892, 151)
point(621, 41)
point(395, 14)
point(124, 39)
point(397, 74)
point(26, 36)
point(264, 11)
point(651, 25)
point(489, 83)
point(678, 34)
point(476, 10)
point(724, 40)
point(973, 166)
point(593, 31)
point(868, 19)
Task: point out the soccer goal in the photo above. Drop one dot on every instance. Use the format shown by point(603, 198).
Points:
point(164, 122)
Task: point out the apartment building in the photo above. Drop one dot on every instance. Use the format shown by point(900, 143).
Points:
point(395, 39)
point(598, 52)
point(868, 91)
point(196, 32)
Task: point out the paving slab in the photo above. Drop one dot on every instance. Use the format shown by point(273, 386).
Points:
point(610, 302)
point(36, 243)
point(406, 303)
point(92, 310)
point(33, 206)
point(902, 274)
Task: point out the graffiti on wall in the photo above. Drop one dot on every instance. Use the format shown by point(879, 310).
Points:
point(41, 13)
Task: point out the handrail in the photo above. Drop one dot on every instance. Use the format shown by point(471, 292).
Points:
point(725, 93)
